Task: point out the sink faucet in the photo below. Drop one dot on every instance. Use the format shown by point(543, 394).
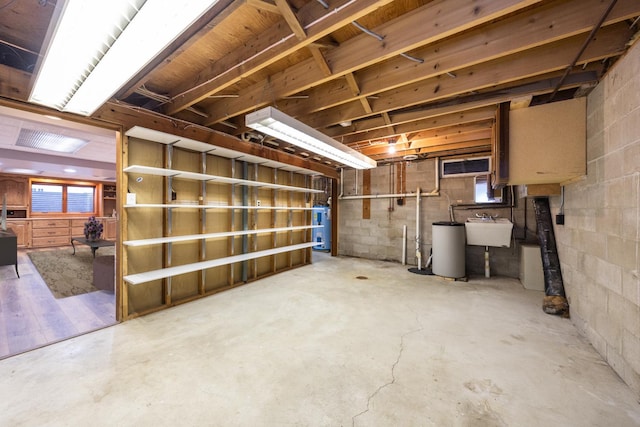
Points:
point(487, 217)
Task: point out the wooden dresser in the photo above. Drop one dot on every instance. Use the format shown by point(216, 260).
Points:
point(50, 232)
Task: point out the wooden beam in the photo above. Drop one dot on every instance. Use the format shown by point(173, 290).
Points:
point(268, 48)
point(14, 84)
point(474, 115)
point(540, 60)
point(38, 109)
point(129, 116)
point(353, 84)
point(476, 138)
point(466, 147)
point(320, 61)
point(217, 14)
point(355, 91)
point(537, 85)
point(291, 19)
point(264, 5)
point(445, 19)
point(523, 31)
point(366, 190)
point(549, 23)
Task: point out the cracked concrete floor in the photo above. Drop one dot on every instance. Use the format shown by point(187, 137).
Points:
point(318, 346)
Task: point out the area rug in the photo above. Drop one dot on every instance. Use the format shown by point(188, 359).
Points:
point(66, 274)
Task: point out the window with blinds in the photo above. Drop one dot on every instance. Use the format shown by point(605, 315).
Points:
point(62, 198)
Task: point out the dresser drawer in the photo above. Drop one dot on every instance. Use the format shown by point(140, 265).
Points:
point(78, 223)
point(77, 231)
point(50, 241)
point(49, 223)
point(48, 232)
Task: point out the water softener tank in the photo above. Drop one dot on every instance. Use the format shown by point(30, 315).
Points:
point(448, 249)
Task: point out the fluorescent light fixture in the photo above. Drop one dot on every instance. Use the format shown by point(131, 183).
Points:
point(277, 124)
point(98, 46)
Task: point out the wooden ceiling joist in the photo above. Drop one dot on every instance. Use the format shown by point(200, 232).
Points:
point(130, 116)
point(267, 49)
point(543, 59)
point(292, 20)
point(445, 19)
point(554, 22)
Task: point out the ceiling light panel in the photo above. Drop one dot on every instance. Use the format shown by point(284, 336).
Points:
point(98, 46)
point(49, 141)
point(83, 35)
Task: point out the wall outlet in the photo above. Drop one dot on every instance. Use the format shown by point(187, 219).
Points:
point(258, 203)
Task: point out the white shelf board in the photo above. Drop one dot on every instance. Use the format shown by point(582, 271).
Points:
point(203, 147)
point(136, 279)
point(190, 237)
point(150, 170)
point(194, 206)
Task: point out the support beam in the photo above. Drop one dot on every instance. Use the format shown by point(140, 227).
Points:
point(538, 61)
point(129, 116)
point(444, 18)
point(291, 18)
point(263, 52)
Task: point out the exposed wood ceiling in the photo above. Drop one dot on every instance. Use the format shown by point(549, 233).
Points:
point(425, 74)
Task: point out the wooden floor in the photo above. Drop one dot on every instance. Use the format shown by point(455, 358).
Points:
point(30, 317)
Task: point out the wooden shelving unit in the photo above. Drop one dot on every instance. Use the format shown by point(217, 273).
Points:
point(108, 199)
point(202, 222)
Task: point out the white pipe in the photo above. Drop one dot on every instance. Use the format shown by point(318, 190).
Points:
point(418, 253)
point(357, 182)
point(387, 196)
point(404, 245)
point(487, 272)
point(434, 193)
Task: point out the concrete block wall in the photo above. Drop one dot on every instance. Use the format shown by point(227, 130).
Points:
point(599, 245)
point(380, 237)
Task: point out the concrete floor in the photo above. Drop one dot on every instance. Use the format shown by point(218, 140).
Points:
point(318, 346)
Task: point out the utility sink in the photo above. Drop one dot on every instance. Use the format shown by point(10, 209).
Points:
point(488, 232)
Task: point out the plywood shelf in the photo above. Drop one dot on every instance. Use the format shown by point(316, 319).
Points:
point(163, 273)
point(173, 245)
point(191, 237)
point(173, 173)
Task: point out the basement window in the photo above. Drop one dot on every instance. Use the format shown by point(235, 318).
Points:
point(465, 167)
point(483, 192)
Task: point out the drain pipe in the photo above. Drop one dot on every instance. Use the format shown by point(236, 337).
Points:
point(487, 271)
point(404, 244)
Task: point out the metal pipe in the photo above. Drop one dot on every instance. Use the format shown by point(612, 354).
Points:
point(433, 193)
point(367, 31)
point(487, 271)
point(356, 181)
point(592, 34)
point(386, 196)
point(404, 244)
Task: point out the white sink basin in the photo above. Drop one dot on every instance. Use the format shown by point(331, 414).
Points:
point(488, 232)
